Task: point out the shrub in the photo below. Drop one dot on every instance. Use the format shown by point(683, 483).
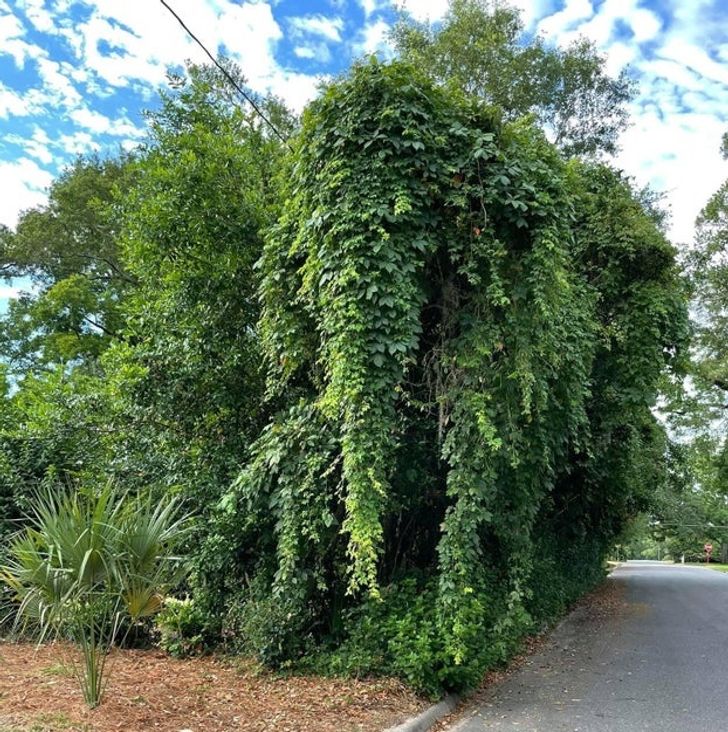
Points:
point(88, 564)
point(181, 627)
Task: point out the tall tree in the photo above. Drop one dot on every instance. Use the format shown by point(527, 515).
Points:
point(481, 48)
point(708, 267)
point(698, 407)
point(68, 248)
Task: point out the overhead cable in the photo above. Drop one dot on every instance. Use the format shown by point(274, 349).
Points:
point(228, 76)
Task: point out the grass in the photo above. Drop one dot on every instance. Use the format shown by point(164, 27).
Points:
point(713, 565)
point(58, 669)
point(55, 723)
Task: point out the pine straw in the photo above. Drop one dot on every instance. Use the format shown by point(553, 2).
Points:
point(151, 691)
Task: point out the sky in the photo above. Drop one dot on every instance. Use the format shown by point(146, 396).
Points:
point(76, 75)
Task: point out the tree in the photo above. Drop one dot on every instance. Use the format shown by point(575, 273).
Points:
point(466, 334)
point(189, 373)
point(697, 405)
point(709, 274)
point(480, 48)
point(69, 248)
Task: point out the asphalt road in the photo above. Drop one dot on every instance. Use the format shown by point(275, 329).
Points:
point(659, 662)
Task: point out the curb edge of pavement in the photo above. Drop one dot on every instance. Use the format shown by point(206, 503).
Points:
point(427, 719)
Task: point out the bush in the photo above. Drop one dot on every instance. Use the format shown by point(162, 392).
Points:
point(274, 629)
point(89, 564)
point(402, 634)
point(180, 624)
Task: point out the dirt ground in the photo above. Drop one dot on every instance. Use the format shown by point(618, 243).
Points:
point(150, 691)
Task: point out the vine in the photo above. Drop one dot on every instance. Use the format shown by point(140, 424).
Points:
point(440, 298)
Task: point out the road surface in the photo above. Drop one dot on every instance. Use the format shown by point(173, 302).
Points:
point(659, 663)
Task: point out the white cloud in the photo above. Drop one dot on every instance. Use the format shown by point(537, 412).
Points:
point(37, 14)
point(318, 25)
point(645, 24)
point(91, 120)
point(694, 58)
point(372, 6)
point(77, 143)
point(557, 24)
point(317, 51)
point(13, 104)
point(671, 70)
point(679, 115)
point(533, 10)
point(373, 39)
point(39, 146)
point(101, 124)
point(36, 146)
point(296, 89)
point(24, 185)
point(304, 52)
point(677, 154)
point(131, 45)
point(432, 10)
point(618, 55)
point(11, 33)
point(57, 85)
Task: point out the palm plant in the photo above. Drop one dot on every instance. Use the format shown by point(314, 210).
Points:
point(90, 563)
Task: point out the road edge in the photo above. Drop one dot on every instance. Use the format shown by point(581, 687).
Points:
point(426, 720)
point(430, 717)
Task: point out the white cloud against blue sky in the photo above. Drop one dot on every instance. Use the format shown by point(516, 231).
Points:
point(75, 74)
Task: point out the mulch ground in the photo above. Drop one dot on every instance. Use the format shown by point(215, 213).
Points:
point(149, 691)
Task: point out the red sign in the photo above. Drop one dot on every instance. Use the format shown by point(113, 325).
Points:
point(708, 548)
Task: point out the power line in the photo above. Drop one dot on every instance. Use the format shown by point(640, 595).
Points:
point(228, 76)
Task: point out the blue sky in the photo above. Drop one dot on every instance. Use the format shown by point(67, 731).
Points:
point(75, 75)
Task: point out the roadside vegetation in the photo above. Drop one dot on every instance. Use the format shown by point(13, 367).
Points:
point(401, 371)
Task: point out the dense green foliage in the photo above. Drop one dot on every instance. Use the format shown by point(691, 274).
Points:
point(403, 372)
point(480, 48)
point(469, 333)
point(170, 401)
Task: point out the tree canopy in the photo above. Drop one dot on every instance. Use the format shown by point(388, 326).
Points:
point(481, 48)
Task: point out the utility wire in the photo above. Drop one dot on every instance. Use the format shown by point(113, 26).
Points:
point(228, 76)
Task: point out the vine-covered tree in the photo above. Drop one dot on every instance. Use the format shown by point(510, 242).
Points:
point(469, 333)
